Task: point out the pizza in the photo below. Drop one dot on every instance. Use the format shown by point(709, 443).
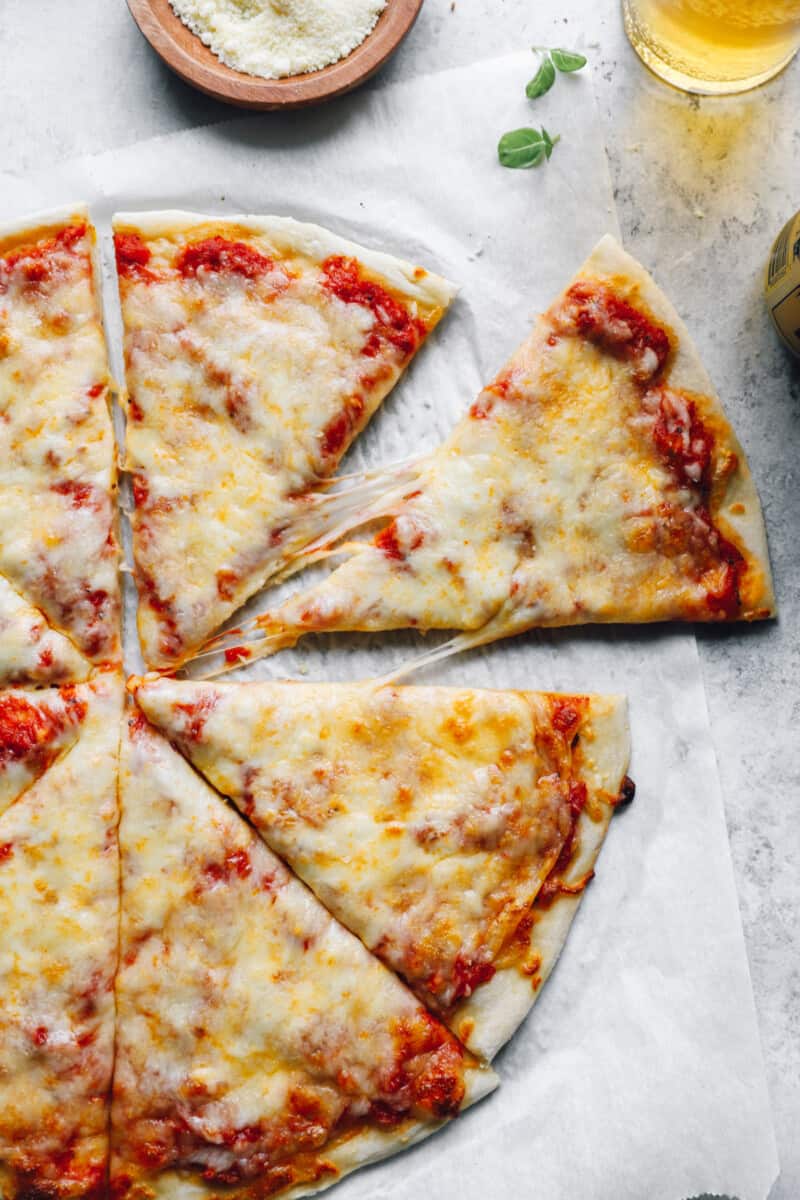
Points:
point(595, 480)
point(256, 349)
point(36, 728)
point(427, 820)
point(59, 918)
point(59, 592)
point(261, 1050)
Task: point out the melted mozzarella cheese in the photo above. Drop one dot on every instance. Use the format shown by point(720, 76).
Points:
point(30, 650)
point(244, 391)
point(57, 472)
point(552, 502)
point(58, 947)
point(425, 819)
point(35, 729)
point(252, 1028)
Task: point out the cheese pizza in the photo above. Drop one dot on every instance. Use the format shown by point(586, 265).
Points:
point(261, 1050)
point(59, 877)
point(595, 480)
point(427, 820)
point(59, 593)
point(256, 349)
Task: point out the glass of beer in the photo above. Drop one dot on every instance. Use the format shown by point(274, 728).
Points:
point(714, 46)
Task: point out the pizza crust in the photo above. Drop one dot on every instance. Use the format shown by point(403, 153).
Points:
point(741, 512)
point(361, 1150)
point(37, 224)
point(298, 237)
point(486, 1021)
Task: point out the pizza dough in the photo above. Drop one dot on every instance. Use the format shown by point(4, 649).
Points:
point(256, 349)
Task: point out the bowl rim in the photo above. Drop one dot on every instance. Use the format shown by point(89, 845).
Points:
point(201, 68)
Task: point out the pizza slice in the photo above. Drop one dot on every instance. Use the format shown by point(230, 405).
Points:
point(59, 912)
point(256, 349)
point(261, 1050)
point(595, 480)
point(36, 728)
point(427, 820)
point(59, 590)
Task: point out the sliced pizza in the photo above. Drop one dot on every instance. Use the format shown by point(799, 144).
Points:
point(59, 590)
point(261, 1050)
point(59, 913)
point(427, 820)
point(595, 480)
point(256, 349)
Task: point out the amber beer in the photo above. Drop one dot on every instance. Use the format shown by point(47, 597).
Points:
point(714, 46)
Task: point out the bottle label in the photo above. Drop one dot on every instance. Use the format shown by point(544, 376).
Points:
point(782, 285)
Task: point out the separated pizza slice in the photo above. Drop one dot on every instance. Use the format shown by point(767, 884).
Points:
point(261, 1050)
point(59, 591)
point(59, 913)
point(428, 820)
point(595, 480)
point(256, 349)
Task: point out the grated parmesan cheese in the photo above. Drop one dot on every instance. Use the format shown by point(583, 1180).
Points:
point(276, 38)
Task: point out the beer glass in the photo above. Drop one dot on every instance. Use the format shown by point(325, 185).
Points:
point(714, 46)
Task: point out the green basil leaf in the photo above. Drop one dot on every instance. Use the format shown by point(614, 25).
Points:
point(568, 60)
point(542, 81)
point(521, 148)
point(549, 142)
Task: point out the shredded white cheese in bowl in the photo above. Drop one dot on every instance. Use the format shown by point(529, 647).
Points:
point(277, 38)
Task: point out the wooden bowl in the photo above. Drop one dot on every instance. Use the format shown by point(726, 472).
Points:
point(183, 51)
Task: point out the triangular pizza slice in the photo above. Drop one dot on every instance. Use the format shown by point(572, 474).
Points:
point(36, 728)
point(59, 914)
point(59, 589)
point(261, 1050)
point(597, 479)
point(427, 820)
point(256, 349)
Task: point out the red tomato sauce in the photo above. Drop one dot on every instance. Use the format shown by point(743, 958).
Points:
point(236, 654)
point(393, 323)
point(82, 495)
point(683, 441)
point(613, 324)
point(686, 445)
point(339, 431)
point(26, 728)
point(37, 263)
point(235, 863)
point(133, 257)
point(220, 254)
point(197, 714)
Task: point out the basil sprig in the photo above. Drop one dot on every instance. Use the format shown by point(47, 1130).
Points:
point(565, 61)
point(530, 147)
point(525, 147)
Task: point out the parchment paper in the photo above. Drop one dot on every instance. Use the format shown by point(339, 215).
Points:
point(638, 1075)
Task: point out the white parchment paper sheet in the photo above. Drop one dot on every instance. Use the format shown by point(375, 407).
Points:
point(638, 1075)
